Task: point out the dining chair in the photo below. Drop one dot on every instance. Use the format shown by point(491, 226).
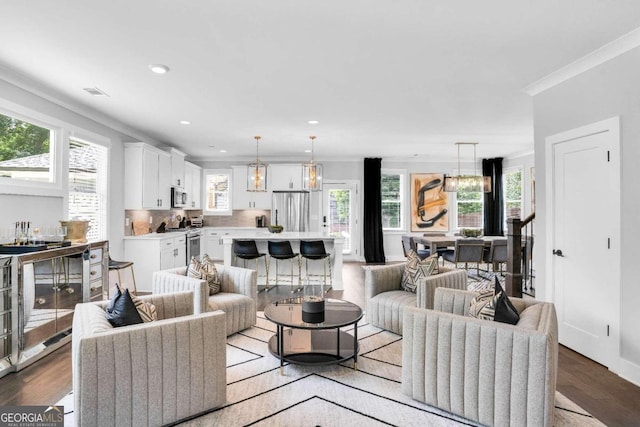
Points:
point(408, 242)
point(496, 254)
point(466, 251)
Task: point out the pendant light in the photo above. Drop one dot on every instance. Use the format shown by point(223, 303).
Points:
point(467, 182)
point(257, 173)
point(312, 172)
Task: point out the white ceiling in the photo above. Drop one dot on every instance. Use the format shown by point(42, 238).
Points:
point(385, 78)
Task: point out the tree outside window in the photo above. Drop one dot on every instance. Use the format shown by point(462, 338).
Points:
point(513, 194)
point(470, 209)
point(391, 192)
point(25, 150)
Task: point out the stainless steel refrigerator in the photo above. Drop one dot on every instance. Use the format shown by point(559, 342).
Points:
point(291, 210)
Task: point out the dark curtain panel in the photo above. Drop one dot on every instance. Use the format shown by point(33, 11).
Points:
point(494, 200)
point(372, 228)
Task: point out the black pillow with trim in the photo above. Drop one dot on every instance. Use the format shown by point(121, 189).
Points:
point(113, 299)
point(124, 311)
point(505, 312)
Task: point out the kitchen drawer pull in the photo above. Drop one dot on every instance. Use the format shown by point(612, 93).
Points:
point(93, 273)
point(94, 288)
point(93, 256)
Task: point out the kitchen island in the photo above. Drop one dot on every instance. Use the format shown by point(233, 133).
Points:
point(333, 245)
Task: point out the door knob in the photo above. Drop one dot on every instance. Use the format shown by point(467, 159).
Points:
point(558, 252)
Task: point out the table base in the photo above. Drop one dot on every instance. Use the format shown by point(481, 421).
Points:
point(315, 347)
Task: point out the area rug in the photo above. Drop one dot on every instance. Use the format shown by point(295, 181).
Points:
point(335, 395)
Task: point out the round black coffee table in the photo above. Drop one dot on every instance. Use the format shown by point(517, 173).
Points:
point(306, 343)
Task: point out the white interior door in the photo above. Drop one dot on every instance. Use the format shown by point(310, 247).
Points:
point(340, 215)
point(584, 243)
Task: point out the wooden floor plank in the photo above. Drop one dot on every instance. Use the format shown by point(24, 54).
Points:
point(606, 396)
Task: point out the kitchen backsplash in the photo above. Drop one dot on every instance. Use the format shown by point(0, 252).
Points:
point(240, 218)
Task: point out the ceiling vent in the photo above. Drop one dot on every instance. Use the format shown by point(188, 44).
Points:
point(94, 91)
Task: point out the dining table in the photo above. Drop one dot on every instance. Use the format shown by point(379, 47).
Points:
point(439, 241)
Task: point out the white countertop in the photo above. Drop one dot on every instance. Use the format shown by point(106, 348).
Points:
point(157, 236)
point(286, 235)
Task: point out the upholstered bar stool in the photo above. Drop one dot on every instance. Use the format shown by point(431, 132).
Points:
point(315, 250)
point(281, 250)
point(248, 250)
point(117, 266)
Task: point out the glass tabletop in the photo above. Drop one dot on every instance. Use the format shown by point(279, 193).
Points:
point(337, 313)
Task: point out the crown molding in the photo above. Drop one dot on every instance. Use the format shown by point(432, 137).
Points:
point(599, 56)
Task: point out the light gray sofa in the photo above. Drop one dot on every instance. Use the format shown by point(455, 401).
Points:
point(385, 299)
point(237, 296)
point(489, 372)
point(148, 374)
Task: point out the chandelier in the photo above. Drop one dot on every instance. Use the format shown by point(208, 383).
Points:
point(473, 182)
point(257, 173)
point(312, 172)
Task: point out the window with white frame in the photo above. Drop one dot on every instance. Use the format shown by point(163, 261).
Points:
point(512, 193)
point(88, 178)
point(469, 208)
point(218, 191)
point(392, 194)
point(26, 150)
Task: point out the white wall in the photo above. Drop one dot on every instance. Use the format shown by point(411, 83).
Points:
point(608, 90)
point(49, 210)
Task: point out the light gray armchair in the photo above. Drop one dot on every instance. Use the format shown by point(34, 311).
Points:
point(148, 374)
point(385, 299)
point(237, 296)
point(489, 372)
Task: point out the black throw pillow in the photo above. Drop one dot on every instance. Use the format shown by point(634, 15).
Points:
point(505, 312)
point(124, 311)
point(113, 299)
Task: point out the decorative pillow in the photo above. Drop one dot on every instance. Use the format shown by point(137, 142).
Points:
point(123, 310)
point(146, 310)
point(205, 270)
point(416, 269)
point(481, 306)
point(213, 279)
point(113, 299)
point(494, 305)
point(505, 311)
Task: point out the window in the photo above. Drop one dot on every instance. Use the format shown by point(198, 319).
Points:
point(392, 190)
point(470, 209)
point(217, 192)
point(513, 194)
point(88, 172)
point(26, 150)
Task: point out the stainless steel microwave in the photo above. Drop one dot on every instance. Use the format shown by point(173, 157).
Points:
point(178, 197)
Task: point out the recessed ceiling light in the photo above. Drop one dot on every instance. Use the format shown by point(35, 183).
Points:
point(223, 151)
point(159, 68)
point(307, 151)
point(185, 122)
point(313, 122)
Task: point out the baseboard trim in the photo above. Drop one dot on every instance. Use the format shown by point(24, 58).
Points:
point(629, 371)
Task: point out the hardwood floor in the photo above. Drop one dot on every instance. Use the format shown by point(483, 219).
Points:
point(606, 396)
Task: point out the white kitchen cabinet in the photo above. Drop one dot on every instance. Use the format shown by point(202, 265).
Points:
point(285, 176)
point(193, 185)
point(147, 177)
point(154, 252)
point(212, 243)
point(212, 238)
point(243, 199)
point(177, 167)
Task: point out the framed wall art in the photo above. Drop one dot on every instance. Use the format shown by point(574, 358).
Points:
point(429, 203)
